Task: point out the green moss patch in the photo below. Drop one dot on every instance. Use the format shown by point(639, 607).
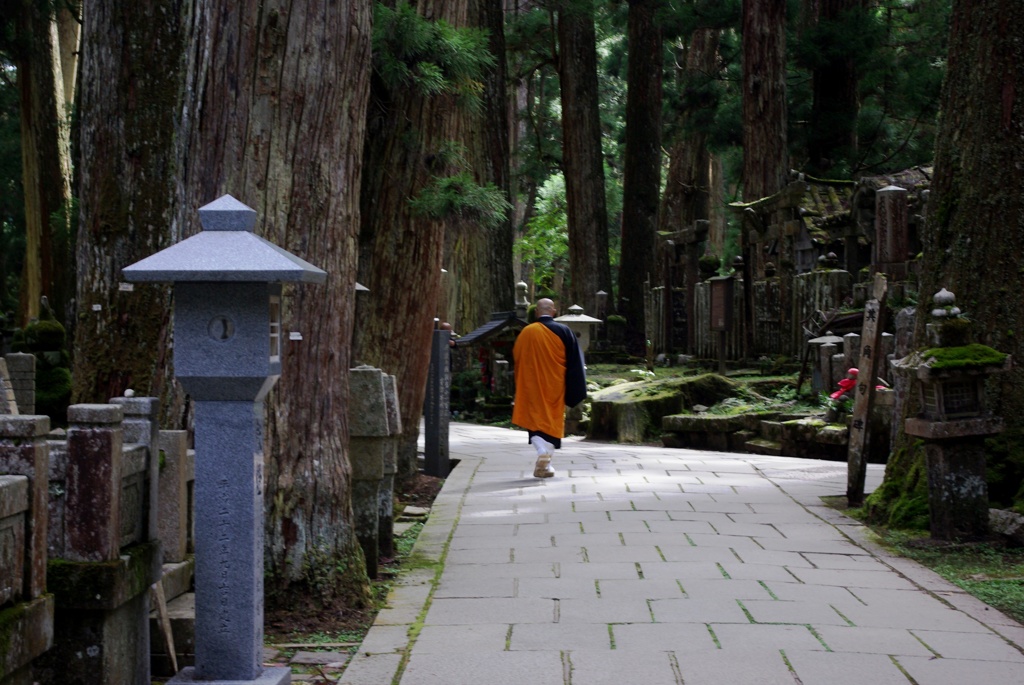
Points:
point(963, 357)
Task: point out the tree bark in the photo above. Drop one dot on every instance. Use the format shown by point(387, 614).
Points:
point(765, 159)
point(832, 138)
point(687, 196)
point(401, 253)
point(127, 109)
point(46, 161)
point(641, 167)
point(582, 159)
point(275, 115)
point(479, 258)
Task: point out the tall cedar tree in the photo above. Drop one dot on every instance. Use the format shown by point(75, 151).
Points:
point(46, 160)
point(642, 166)
point(975, 228)
point(833, 127)
point(128, 107)
point(765, 158)
point(279, 93)
point(478, 255)
point(410, 138)
point(687, 195)
point(582, 159)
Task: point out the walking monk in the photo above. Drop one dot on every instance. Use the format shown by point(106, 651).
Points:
point(550, 376)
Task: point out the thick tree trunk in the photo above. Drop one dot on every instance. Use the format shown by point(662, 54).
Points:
point(765, 158)
point(400, 253)
point(687, 194)
point(46, 161)
point(479, 258)
point(582, 160)
point(279, 92)
point(833, 127)
point(642, 167)
point(127, 108)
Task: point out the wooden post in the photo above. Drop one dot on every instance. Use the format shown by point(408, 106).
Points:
point(870, 354)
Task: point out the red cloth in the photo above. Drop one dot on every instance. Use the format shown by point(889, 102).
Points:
point(846, 385)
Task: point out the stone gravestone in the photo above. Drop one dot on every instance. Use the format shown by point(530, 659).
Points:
point(227, 355)
point(7, 403)
point(892, 238)
point(368, 433)
point(386, 494)
point(437, 407)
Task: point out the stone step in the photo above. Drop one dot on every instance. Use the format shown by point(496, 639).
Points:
point(764, 446)
point(771, 430)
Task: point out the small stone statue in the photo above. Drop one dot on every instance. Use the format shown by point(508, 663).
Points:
point(846, 386)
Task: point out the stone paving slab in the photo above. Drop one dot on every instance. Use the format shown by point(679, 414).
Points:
point(835, 668)
point(890, 641)
point(747, 666)
point(559, 637)
point(961, 671)
point(461, 666)
point(667, 567)
point(471, 638)
point(969, 646)
point(769, 639)
point(558, 588)
point(616, 668)
point(668, 637)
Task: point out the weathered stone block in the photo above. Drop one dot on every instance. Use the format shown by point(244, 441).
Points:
point(704, 423)
point(177, 578)
point(13, 512)
point(23, 452)
point(27, 630)
point(105, 585)
point(368, 410)
point(92, 518)
point(22, 370)
point(172, 510)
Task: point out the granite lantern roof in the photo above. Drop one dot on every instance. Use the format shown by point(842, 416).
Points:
point(226, 249)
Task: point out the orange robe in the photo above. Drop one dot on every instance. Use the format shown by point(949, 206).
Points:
point(543, 361)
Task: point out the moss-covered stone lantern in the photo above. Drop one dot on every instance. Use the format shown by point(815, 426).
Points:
point(953, 420)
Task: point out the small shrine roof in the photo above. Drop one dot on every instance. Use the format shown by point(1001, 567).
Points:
point(500, 321)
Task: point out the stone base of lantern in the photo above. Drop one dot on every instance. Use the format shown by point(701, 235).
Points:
point(269, 676)
point(957, 489)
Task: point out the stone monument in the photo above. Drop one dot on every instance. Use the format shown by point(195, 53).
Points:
point(227, 355)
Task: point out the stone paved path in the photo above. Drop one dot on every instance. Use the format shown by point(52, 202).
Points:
point(667, 567)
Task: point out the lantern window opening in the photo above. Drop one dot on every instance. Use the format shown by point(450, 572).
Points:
point(960, 399)
point(275, 328)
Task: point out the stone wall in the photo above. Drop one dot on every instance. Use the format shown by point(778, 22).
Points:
point(84, 514)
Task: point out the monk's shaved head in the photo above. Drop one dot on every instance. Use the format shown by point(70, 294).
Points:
point(545, 307)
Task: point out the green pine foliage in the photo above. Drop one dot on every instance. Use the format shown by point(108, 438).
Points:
point(433, 57)
point(459, 195)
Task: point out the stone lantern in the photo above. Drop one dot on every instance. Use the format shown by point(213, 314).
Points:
point(227, 355)
point(953, 420)
point(580, 323)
